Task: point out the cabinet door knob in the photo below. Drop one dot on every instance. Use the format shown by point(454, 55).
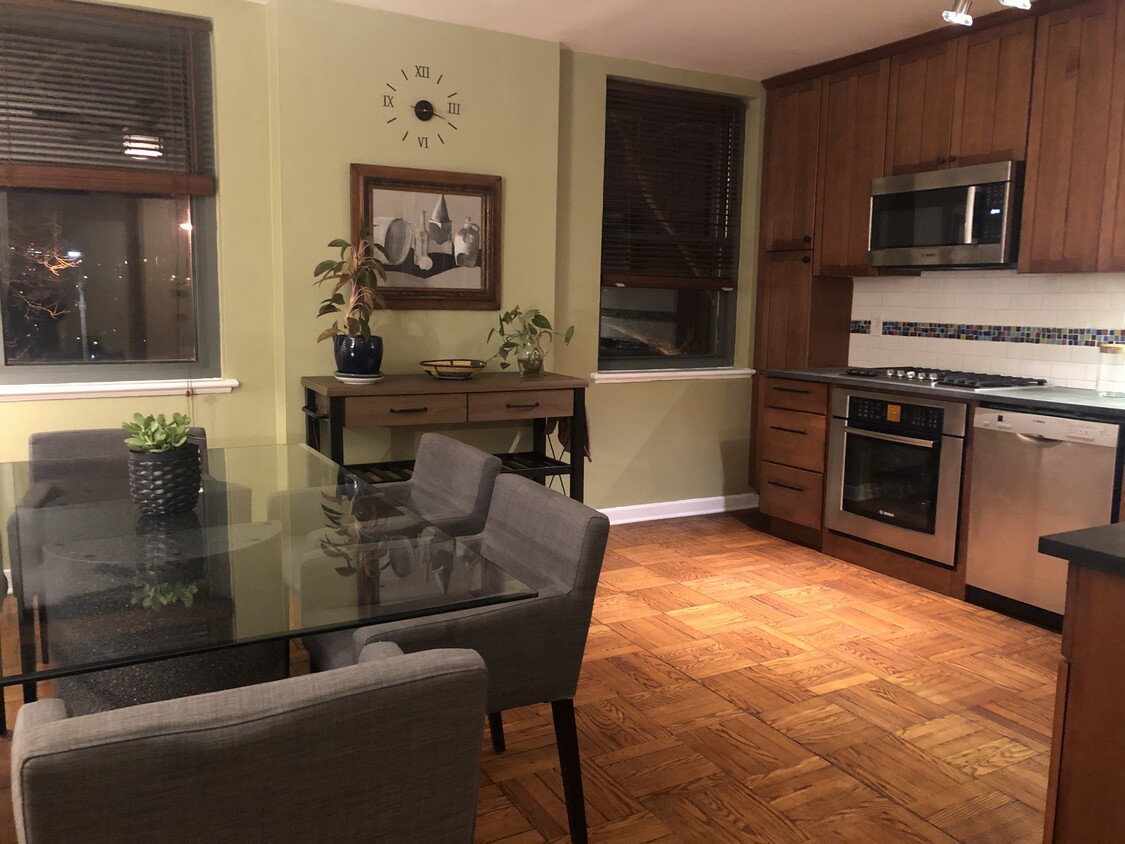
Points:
point(941, 159)
point(952, 158)
point(805, 259)
point(807, 238)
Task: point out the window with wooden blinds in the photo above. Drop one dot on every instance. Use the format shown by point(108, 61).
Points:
point(672, 200)
point(670, 228)
point(104, 99)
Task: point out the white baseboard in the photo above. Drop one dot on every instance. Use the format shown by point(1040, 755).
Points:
point(679, 509)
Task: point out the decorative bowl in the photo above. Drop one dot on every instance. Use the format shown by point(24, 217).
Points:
point(452, 368)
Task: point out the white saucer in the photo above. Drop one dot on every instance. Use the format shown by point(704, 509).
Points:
point(358, 379)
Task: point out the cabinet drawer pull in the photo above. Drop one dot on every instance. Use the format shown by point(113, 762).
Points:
point(786, 486)
point(529, 406)
point(791, 390)
point(788, 430)
point(409, 409)
point(806, 260)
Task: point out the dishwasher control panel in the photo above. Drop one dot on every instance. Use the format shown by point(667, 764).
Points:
point(1046, 427)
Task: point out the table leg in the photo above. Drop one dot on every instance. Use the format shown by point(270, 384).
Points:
point(336, 429)
point(578, 446)
point(539, 442)
point(312, 422)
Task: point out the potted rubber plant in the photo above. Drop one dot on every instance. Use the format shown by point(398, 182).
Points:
point(353, 277)
point(164, 468)
point(528, 334)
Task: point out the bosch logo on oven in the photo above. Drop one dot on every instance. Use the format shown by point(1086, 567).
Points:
point(887, 514)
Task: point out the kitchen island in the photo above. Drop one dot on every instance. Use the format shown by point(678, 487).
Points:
point(1086, 789)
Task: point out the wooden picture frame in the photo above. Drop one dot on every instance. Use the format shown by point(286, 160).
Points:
point(441, 233)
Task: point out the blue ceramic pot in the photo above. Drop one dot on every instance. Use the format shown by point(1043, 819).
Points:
point(358, 355)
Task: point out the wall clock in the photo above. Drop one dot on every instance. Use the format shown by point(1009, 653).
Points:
point(422, 106)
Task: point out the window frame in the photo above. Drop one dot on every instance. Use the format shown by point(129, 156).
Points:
point(724, 284)
point(196, 183)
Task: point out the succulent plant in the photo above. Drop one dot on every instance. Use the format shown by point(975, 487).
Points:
point(156, 433)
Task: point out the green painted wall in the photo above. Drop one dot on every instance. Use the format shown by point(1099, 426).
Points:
point(654, 441)
point(298, 89)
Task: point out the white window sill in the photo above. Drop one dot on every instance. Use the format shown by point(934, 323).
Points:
point(722, 373)
point(115, 389)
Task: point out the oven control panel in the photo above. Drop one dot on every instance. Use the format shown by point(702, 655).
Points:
point(914, 417)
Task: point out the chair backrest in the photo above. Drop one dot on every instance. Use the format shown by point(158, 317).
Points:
point(387, 750)
point(544, 538)
point(452, 484)
point(107, 443)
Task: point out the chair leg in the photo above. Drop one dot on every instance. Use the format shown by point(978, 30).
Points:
point(566, 737)
point(496, 730)
point(43, 632)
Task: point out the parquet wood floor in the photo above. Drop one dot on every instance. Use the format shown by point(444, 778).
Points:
point(739, 688)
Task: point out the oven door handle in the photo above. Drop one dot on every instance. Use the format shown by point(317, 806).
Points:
point(891, 438)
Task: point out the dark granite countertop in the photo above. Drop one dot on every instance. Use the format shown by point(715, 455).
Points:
point(1066, 400)
point(1097, 547)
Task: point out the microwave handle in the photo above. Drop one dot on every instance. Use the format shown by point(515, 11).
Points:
point(970, 211)
point(891, 438)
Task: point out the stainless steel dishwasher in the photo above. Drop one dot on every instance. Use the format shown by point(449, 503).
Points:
point(1033, 474)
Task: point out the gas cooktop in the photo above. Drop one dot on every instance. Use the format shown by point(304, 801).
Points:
point(945, 377)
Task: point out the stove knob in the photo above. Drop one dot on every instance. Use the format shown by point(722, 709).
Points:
point(899, 373)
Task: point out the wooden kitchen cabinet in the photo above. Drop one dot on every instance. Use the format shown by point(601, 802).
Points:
point(961, 102)
point(920, 117)
point(1111, 249)
point(793, 426)
point(1067, 144)
point(853, 129)
point(802, 321)
point(789, 166)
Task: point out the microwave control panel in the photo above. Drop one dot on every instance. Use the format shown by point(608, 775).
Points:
point(921, 418)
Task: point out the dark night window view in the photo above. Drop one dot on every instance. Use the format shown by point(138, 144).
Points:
point(96, 278)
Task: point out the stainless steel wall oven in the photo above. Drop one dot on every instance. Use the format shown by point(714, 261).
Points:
point(894, 472)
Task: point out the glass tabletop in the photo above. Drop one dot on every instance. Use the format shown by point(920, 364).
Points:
point(282, 542)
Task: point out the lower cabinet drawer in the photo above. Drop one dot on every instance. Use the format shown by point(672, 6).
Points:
point(793, 439)
point(405, 410)
point(529, 404)
point(791, 494)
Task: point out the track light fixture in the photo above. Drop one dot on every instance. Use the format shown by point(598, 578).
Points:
point(959, 14)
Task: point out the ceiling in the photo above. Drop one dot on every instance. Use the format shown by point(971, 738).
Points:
point(752, 39)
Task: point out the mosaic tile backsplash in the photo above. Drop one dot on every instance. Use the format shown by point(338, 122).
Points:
point(996, 321)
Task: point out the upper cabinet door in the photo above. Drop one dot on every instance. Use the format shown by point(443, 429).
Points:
point(922, 93)
point(789, 167)
point(1111, 252)
point(1068, 139)
point(853, 130)
point(993, 94)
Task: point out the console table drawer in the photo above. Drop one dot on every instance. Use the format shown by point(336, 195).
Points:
point(405, 410)
point(526, 404)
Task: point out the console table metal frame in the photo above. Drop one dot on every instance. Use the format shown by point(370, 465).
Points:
point(423, 401)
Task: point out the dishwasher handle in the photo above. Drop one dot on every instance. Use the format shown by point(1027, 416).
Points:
point(1039, 439)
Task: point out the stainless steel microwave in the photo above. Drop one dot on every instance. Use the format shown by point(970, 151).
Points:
point(960, 217)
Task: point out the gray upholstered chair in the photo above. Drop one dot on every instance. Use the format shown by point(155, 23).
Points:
point(533, 648)
point(451, 485)
point(387, 750)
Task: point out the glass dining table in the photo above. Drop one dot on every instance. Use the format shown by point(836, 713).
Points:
point(282, 543)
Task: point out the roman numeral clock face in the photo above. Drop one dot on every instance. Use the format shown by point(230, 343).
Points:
point(422, 106)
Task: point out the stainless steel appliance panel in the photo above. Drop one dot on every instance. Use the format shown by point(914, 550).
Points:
point(1034, 474)
point(927, 491)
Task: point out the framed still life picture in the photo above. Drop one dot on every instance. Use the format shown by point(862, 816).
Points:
point(440, 232)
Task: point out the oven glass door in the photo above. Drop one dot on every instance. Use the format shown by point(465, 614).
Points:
point(971, 214)
point(891, 478)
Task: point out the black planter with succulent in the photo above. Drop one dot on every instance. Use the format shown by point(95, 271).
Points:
point(164, 468)
point(355, 276)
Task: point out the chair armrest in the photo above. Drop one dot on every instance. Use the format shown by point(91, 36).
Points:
point(379, 650)
point(41, 712)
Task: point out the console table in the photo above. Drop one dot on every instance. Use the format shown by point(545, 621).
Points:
point(422, 401)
